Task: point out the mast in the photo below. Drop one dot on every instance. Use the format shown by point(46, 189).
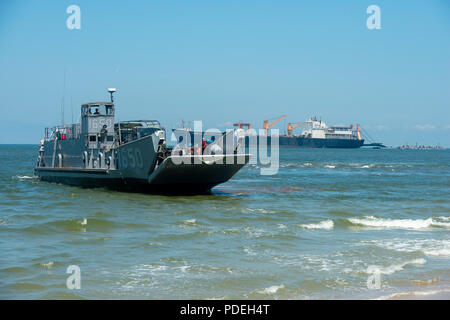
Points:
point(62, 99)
point(111, 91)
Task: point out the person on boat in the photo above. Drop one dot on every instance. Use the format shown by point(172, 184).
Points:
point(203, 144)
point(104, 129)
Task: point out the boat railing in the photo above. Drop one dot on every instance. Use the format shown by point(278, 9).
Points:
point(140, 124)
point(127, 131)
point(63, 132)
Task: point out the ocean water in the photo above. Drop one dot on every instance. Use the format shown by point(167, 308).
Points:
point(313, 231)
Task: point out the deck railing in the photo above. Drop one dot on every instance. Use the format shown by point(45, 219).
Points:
point(63, 132)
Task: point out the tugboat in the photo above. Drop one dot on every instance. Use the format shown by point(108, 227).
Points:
point(131, 156)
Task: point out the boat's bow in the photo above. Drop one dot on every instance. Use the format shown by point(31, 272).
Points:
point(197, 171)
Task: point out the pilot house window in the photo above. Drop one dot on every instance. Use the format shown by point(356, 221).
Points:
point(92, 138)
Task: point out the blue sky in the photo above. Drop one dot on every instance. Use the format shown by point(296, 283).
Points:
point(224, 61)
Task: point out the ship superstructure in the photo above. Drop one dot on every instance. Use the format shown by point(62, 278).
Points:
point(319, 130)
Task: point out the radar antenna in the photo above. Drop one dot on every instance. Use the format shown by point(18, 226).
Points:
point(111, 91)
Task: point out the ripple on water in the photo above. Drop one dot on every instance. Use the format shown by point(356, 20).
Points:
point(25, 287)
point(16, 271)
point(254, 237)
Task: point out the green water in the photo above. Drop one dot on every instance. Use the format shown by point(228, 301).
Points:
point(309, 232)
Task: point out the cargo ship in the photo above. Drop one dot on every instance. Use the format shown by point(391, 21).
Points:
point(315, 134)
point(318, 135)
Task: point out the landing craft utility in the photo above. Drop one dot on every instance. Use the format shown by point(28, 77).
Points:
point(131, 155)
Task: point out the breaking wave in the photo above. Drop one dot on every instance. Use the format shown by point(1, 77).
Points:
point(24, 177)
point(429, 247)
point(271, 290)
point(326, 224)
point(400, 266)
point(371, 221)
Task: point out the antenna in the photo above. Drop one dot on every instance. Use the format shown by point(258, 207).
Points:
point(111, 91)
point(62, 99)
point(71, 107)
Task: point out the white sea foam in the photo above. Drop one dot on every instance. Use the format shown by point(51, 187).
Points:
point(271, 290)
point(261, 210)
point(25, 177)
point(289, 165)
point(250, 252)
point(429, 247)
point(190, 221)
point(326, 224)
point(328, 166)
point(254, 232)
point(154, 244)
point(151, 268)
point(400, 266)
point(371, 221)
point(183, 268)
point(48, 265)
point(307, 164)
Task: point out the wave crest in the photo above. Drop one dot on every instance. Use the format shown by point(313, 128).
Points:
point(326, 224)
point(371, 221)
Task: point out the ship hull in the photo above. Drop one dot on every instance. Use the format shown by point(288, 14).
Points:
point(191, 175)
point(302, 142)
point(286, 141)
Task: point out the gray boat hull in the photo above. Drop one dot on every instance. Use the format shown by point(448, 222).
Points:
point(170, 177)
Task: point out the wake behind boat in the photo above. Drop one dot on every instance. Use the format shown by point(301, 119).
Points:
point(131, 155)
